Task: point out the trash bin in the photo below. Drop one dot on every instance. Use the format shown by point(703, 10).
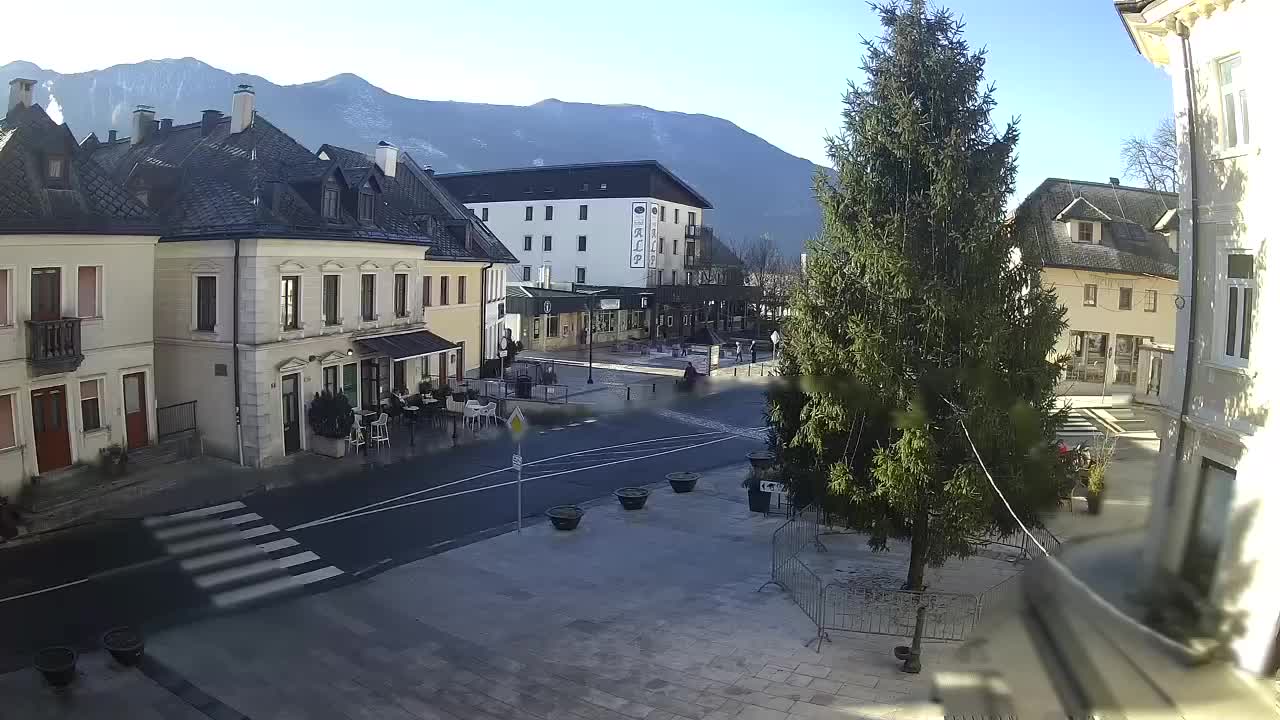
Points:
point(524, 387)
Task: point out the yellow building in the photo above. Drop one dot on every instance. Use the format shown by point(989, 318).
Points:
point(1109, 252)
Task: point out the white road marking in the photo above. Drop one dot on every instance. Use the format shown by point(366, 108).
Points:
point(280, 544)
point(433, 488)
point(239, 572)
point(242, 519)
point(208, 542)
point(273, 586)
point(221, 557)
point(259, 531)
point(197, 513)
point(44, 590)
point(181, 531)
point(300, 558)
point(352, 515)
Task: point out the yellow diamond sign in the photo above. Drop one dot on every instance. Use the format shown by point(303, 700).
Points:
point(517, 424)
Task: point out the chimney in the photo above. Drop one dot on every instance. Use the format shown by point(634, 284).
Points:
point(241, 109)
point(111, 136)
point(1114, 181)
point(387, 156)
point(20, 92)
point(166, 124)
point(143, 122)
point(209, 120)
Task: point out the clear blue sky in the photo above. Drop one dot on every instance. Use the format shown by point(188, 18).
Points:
point(777, 69)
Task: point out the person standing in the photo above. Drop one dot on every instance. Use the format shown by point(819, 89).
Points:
point(737, 351)
point(753, 351)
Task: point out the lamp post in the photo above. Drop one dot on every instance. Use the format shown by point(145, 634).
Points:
point(591, 342)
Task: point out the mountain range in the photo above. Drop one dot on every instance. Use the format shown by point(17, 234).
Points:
point(755, 187)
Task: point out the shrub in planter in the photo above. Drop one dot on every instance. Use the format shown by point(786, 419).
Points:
point(114, 460)
point(757, 499)
point(330, 419)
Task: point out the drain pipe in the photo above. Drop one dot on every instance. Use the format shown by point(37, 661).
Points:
point(484, 307)
point(235, 345)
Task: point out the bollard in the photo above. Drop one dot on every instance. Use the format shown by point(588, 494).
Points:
point(628, 393)
point(735, 371)
point(655, 387)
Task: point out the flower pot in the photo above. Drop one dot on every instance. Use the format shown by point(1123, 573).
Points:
point(683, 482)
point(565, 517)
point(57, 665)
point(1093, 501)
point(759, 501)
point(632, 498)
point(125, 645)
point(761, 459)
point(329, 447)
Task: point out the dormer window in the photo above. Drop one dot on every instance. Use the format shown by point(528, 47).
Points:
point(55, 169)
point(1086, 233)
point(366, 206)
point(329, 205)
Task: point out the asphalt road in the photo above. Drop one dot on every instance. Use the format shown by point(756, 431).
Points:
point(266, 546)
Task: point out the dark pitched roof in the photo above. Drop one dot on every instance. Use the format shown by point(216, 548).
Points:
point(1129, 243)
point(634, 178)
point(416, 193)
point(88, 201)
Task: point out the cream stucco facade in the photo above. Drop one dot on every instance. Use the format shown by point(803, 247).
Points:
point(105, 284)
point(198, 365)
point(1216, 518)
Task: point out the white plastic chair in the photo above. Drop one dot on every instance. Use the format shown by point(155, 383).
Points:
point(490, 413)
point(356, 440)
point(471, 414)
point(379, 434)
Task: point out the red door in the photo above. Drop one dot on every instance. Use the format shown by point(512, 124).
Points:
point(135, 410)
point(49, 424)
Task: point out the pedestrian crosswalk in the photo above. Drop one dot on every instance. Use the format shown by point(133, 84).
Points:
point(235, 556)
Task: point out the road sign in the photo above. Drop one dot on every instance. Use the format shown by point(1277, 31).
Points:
point(517, 462)
point(771, 487)
point(775, 337)
point(546, 307)
point(517, 424)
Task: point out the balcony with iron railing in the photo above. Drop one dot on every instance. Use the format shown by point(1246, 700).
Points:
point(53, 346)
point(693, 232)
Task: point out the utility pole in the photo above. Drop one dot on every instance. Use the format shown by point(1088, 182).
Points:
point(591, 342)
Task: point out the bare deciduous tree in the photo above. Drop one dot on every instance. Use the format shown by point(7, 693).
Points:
point(1154, 160)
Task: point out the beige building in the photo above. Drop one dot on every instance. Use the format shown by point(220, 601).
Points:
point(1110, 253)
point(281, 273)
point(76, 253)
point(1217, 505)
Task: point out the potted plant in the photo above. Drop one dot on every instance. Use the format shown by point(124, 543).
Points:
point(125, 645)
point(761, 459)
point(57, 664)
point(683, 482)
point(758, 500)
point(632, 498)
point(1095, 464)
point(565, 517)
point(330, 419)
point(114, 459)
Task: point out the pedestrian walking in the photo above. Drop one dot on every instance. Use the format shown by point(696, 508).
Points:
point(753, 351)
point(737, 351)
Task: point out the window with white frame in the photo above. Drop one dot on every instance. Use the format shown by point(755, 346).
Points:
point(368, 293)
point(1239, 288)
point(331, 300)
point(90, 405)
point(1235, 104)
point(525, 273)
point(1150, 300)
point(6, 297)
point(582, 274)
point(1090, 295)
point(89, 291)
point(206, 290)
point(290, 288)
point(8, 421)
point(1085, 232)
point(401, 294)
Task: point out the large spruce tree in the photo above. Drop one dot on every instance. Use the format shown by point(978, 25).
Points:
point(917, 313)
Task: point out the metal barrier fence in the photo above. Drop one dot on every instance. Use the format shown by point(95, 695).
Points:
point(789, 572)
point(756, 369)
point(506, 389)
point(174, 419)
point(1022, 542)
point(850, 608)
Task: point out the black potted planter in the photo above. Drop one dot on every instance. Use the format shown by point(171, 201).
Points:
point(1093, 500)
point(57, 665)
point(683, 482)
point(565, 517)
point(125, 645)
point(759, 501)
point(632, 498)
point(761, 459)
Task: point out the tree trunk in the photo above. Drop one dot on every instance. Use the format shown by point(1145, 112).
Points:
point(915, 581)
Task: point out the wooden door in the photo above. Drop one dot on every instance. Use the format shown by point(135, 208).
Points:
point(46, 293)
point(289, 409)
point(135, 410)
point(49, 424)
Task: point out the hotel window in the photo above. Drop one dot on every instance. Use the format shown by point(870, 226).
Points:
point(693, 218)
point(1150, 301)
point(528, 243)
point(1091, 295)
point(329, 304)
point(549, 211)
point(289, 302)
point(528, 212)
point(662, 213)
point(582, 212)
point(1126, 298)
point(206, 303)
point(546, 243)
point(1235, 106)
point(526, 273)
point(1239, 289)
point(444, 290)
point(484, 214)
point(1085, 233)
point(677, 216)
point(401, 294)
point(582, 274)
point(662, 245)
point(582, 243)
point(366, 206)
point(329, 204)
point(426, 291)
point(6, 290)
point(331, 379)
point(90, 407)
point(368, 293)
point(462, 289)
point(8, 424)
point(89, 291)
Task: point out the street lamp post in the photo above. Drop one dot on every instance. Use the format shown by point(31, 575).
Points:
point(591, 342)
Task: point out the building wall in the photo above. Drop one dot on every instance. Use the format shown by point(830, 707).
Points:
point(1229, 406)
point(116, 343)
point(608, 231)
point(1107, 317)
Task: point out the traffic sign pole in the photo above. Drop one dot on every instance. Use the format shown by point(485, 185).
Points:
point(520, 487)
